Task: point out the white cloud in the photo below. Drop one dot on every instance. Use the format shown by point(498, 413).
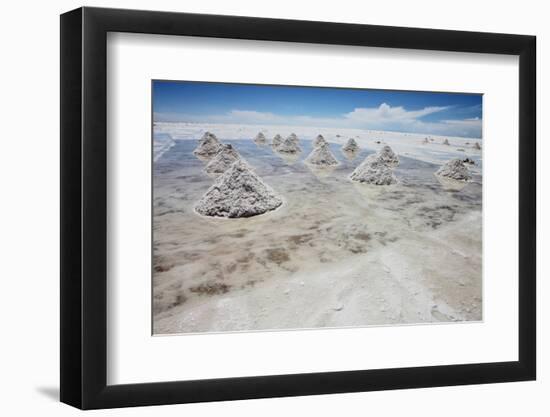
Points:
point(383, 117)
point(385, 114)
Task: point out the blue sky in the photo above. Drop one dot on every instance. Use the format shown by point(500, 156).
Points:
point(402, 111)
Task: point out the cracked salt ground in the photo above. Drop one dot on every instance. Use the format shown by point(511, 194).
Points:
point(348, 254)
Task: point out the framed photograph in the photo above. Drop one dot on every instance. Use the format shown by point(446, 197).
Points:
point(259, 208)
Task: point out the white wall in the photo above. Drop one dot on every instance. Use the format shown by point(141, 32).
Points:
point(29, 236)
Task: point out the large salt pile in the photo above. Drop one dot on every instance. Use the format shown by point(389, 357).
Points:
point(321, 156)
point(454, 169)
point(319, 140)
point(260, 138)
point(477, 146)
point(289, 146)
point(209, 145)
point(225, 157)
point(238, 192)
point(277, 140)
point(388, 156)
point(350, 146)
point(373, 170)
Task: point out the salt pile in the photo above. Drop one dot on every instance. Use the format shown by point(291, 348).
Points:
point(351, 146)
point(289, 146)
point(446, 142)
point(425, 141)
point(260, 138)
point(294, 138)
point(319, 140)
point(238, 192)
point(277, 140)
point(321, 156)
point(454, 169)
point(373, 170)
point(476, 146)
point(388, 156)
point(225, 157)
point(209, 145)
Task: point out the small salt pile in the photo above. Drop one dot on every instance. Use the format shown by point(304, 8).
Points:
point(388, 156)
point(209, 145)
point(350, 146)
point(454, 169)
point(289, 146)
point(321, 156)
point(319, 140)
point(225, 157)
point(260, 138)
point(477, 146)
point(373, 170)
point(446, 142)
point(294, 138)
point(277, 141)
point(238, 192)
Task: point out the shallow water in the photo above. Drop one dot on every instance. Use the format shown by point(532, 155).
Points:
point(337, 253)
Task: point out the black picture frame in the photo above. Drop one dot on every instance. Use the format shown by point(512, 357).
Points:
point(84, 207)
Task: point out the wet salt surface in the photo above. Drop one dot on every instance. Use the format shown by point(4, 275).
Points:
point(335, 254)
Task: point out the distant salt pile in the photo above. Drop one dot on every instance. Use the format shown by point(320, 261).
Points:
point(260, 138)
point(446, 142)
point(209, 145)
point(373, 170)
point(277, 141)
point(321, 156)
point(319, 140)
point(477, 146)
point(225, 157)
point(238, 192)
point(425, 141)
point(454, 169)
point(350, 146)
point(289, 146)
point(294, 138)
point(388, 156)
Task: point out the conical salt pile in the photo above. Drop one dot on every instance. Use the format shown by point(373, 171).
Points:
point(319, 140)
point(388, 156)
point(373, 170)
point(477, 146)
point(294, 138)
point(454, 169)
point(209, 145)
point(321, 156)
point(260, 138)
point(225, 157)
point(446, 142)
point(289, 146)
point(350, 146)
point(238, 192)
point(277, 140)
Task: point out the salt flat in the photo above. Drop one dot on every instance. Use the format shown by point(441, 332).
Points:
point(336, 253)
